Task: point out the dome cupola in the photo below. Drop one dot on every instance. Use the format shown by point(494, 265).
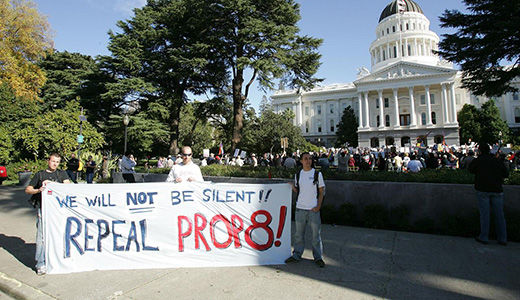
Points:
point(392, 9)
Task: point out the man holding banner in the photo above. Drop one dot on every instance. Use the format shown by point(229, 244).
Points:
point(186, 170)
point(35, 188)
point(309, 186)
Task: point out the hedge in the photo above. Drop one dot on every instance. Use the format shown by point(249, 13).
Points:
point(457, 176)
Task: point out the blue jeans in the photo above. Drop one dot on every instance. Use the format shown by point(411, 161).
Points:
point(302, 218)
point(90, 177)
point(72, 175)
point(40, 246)
point(496, 201)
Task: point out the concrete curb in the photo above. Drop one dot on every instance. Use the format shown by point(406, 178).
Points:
point(19, 290)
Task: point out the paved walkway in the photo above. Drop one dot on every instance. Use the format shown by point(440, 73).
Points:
point(361, 264)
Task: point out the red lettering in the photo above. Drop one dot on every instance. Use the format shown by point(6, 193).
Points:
point(182, 235)
point(214, 221)
point(198, 234)
point(263, 225)
point(236, 230)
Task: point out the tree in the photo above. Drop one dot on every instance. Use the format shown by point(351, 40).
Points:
point(165, 51)
point(195, 129)
point(493, 127)
point(485, 37)
point(347, 128)
point(24, 40)
point(262, 37)
point(56, 131)
point(482, 125)
point(469, 123)
point(264, 133)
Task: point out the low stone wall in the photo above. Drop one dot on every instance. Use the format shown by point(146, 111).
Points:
point(424, 200)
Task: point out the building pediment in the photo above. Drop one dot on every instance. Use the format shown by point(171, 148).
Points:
point(406, 70)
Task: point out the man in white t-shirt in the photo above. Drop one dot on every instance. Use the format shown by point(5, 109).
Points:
point(310, 188)
point(186, 170)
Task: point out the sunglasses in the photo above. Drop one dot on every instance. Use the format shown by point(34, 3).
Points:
point(186, 154)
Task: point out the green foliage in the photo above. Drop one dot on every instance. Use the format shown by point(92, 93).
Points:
point(165, 51)
point(6, 146)
point(347, 128)
point(375, 216)
point(469, 125)
point(265, 132)
point(195, 129)
point(56, 131)
point(492, 124)
point(25, 166)
point(482, 125)
point(485, 37)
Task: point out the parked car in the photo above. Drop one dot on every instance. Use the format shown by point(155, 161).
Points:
point(3, 174)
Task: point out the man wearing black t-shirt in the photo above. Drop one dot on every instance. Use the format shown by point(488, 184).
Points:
point(72, 167)
point(35, 188)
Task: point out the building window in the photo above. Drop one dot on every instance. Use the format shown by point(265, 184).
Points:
point(515, 96)
point(432, 98)
point(384, 55)
point(374, 142)
point(517, 115)
point(387, 104)
point(407, 26)
point(343, 107)
point(434, 117)
point(318, 107)
point(409, 50)
point(393, 28)
point(457, 99)
point(382, 33)
point(318, 124)
point(307, 127)
point(395, 51)
point(423, 118)
point(331, 125)
point(404, 120)
point(423, 99)
point(377, 121)
point(331, 108)
point(387, 120)
point(306, 110)
point(387, 31)
point(401, 27)
point(377, 103)
point(405, 141)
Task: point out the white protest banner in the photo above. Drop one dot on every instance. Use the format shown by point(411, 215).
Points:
point(165, 225)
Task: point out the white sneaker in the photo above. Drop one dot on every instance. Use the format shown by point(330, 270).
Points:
point(41, 271)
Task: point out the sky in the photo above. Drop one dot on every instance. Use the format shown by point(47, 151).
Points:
point(347, 28)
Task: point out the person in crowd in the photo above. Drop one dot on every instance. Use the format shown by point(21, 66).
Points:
point(186, 171)
point(398, 163)
point(35, 188)
point(323, 162)
point(343, 162)
point(104, 167)
point(489, 177)
point(128, 163)
point(72, 167)
point(169, 162)
point(160, 162)
point(414, 165)
point(310, 186)
point(90, 169)
point(254, 160)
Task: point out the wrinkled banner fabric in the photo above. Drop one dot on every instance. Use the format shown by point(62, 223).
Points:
point(165, 225)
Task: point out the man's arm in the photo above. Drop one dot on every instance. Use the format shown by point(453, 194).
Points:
point(320, 200)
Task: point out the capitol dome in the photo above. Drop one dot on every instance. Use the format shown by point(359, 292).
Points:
point(391, 9)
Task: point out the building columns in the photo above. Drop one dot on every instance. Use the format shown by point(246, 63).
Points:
point(453, 104)
point(381, 112)
point(413, 121)
point(300, 110)
point(428, 106)
point(396, 109)
point(367, 115)
point(446, 111)
point(360, 111)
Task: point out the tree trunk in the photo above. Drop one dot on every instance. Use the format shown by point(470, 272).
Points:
point(175, 109)
point(238, 116)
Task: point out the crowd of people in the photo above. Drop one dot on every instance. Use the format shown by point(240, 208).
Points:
point(387, 158)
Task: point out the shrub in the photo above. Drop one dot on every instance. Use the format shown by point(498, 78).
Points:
point(25, 166)
point(347, 214)
point(400, 217)
point(424, 225)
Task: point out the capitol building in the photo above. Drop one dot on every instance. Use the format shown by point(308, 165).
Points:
point(409, 94)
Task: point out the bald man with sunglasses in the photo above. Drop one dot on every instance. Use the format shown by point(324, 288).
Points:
point(186, 171)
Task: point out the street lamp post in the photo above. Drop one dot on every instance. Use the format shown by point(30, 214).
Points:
point(126, 120)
